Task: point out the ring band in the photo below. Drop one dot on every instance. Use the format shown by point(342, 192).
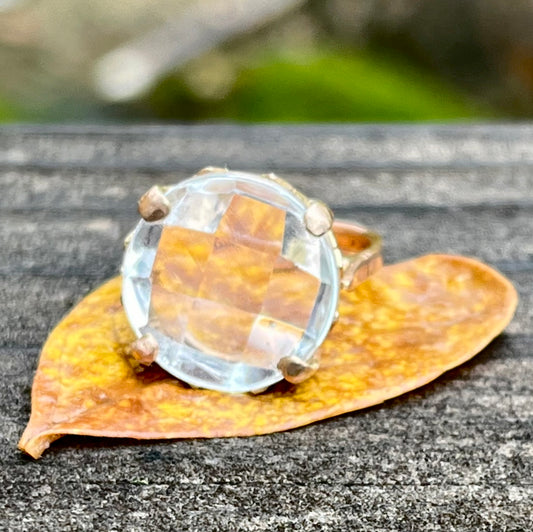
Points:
point(361, 252)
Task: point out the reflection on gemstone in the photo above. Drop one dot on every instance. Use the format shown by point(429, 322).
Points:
point(199, 211)
point(269, 194)
point(218, 329)
point(300, 247)
point(136, 298)
point(181, 260)
point(236, 275)
point(169, 312)
point(254, 224)
point(296, 288)
point(142, 251)
point(236, 282)
point(267, 338)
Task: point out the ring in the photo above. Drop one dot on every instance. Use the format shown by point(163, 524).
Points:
point(231, 280)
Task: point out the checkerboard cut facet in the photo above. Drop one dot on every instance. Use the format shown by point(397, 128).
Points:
point(230, 282)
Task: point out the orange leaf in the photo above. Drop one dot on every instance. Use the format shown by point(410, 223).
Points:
point(397, 331)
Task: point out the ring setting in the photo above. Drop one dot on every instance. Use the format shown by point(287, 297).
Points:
point(231, 280)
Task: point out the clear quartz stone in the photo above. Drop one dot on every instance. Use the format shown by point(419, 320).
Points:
point(230, 282)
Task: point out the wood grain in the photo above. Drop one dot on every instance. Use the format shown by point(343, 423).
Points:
point(455, 455)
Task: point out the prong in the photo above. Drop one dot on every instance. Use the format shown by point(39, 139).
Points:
point(154, 205)
point(295, 370)
point(211, 170)
point(318, 218)
point(335, 320)
point(145, 349)
point(259, 390)
point(128, 238)
point(270, 175)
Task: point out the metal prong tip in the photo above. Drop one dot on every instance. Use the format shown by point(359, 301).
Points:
point(318, 218)
point(128, 239)
point(154, 205)
point(259, 390)
point(211, 170)
point(145, 349)
point(295, 370)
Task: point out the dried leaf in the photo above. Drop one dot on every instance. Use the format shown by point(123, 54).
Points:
point(399, 330)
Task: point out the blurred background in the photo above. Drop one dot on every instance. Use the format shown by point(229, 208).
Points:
point(265, 60)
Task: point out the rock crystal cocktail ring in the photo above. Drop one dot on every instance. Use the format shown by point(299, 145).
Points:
point(231, 280)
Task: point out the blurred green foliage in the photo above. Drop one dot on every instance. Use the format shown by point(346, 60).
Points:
point(321, 86)
point(326, 86)
point(10, 111)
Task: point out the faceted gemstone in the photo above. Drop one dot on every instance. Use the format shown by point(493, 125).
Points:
point(230, 281)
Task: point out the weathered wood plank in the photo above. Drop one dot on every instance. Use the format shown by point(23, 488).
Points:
point(284, 147)
point(90, 244)
point(455, 455)
point(250, 507)
point(115, 191)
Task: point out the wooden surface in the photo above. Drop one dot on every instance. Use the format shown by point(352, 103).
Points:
point(454, 455)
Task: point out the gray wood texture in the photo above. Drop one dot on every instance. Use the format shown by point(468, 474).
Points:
point(455, 455)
